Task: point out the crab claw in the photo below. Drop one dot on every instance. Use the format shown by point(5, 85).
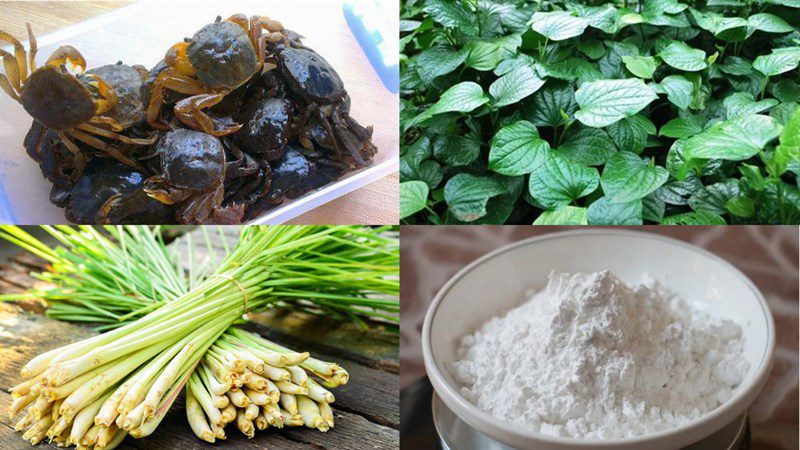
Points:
point(67, 53)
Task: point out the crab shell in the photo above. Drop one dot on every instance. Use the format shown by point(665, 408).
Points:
point(222, 55)
point(191, 159)
point(311, 76)
point(56, 99)
point(266, 127)
point(126, 82)
point(103, 179)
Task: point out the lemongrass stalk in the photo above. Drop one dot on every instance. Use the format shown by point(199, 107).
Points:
point(319, 393)
point(19, 403)
point(219, 431)
point(251, 411)
point(291, 388)
point(94, 388)
point(218, 370)
point(238, 398)
point(23, 423)
point(202, 396)
point(257, 397)
point(119, 436)
point(90, 437)
point(108, 412)
point(326, 412)
point(309, 411)
point(292, 420)
point(40, 407)
point(273, 392)
point(252, 362)
point(261, 421)
point(171, 371)
point(196, 417)
point(289, 402)
point(24, 388)
point(245, 377)
point(38, 429)
point(106, 435)
point(270, 357)
point(255, 382)
point(60, 392)
point(244, 425)
point(273, 414)
point(298, 375)
point(211, 381)
point(228, 414)
point(276, 373)
point(220, 401)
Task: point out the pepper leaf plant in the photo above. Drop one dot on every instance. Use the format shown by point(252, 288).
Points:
point(595, 112)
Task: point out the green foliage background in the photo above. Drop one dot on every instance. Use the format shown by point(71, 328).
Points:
point(566, 112)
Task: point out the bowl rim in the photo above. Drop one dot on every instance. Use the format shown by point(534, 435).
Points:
point(502, 430)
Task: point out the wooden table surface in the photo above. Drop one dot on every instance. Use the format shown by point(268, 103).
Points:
point(376, 203)
point(367, 408)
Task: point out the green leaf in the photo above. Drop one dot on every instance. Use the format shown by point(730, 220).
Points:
point(438, 61)
point(428, 171)
point(653, 208)
point(694, 218)
point(452, 15)
point(786, 91)
point(630, 134)
point(641, 66)
point(567, 215)
point(603, 212)
point(735, 139)
point(514, 86)
point(549, 103)
point(467, 195)
point(741, 206)
point(769, 23)
point(558, 25)
point(682, 57)
point(743, 103)
point(517, 149)
point(679, 90)
point(463, 97)
point(789, 148)
point(626, 177)
point(587, 146)
point(731, 29)
point(781, 60)
point(484, 55)
point(413, 196)
point(455, 150)
point(735, 65)
point(680, 128)
point(713, 198)
point(607, 101)
point(559, 181)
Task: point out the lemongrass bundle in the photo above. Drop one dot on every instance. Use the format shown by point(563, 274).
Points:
point(273, 393)
point(127, 379)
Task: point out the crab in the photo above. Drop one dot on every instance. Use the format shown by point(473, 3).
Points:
point(192, 174)
point(109, 192)
point(219, 58)
point(100, 102)
point(268, 125)
point(310, 77)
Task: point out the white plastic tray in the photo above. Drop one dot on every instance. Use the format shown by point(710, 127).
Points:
point(142, 32)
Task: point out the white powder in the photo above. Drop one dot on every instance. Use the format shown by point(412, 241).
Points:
point(592, 357)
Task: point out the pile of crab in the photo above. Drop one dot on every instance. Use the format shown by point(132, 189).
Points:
point(232, 122)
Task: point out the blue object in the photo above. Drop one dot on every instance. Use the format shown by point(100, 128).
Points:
point(6, 215)
point(377, 38)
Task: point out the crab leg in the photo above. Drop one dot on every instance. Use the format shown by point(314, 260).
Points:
point(108, 98)
point(67, 53)
point(12, 70)
point(189, 111)
point(6, 86)
point(80, 159)
point(105, 120)
point(19, 52)
point(176, 81)
point(33, 48)
point(118, 137)
point(100, 145)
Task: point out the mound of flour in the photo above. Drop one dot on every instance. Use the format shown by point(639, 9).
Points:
point(592, 357)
